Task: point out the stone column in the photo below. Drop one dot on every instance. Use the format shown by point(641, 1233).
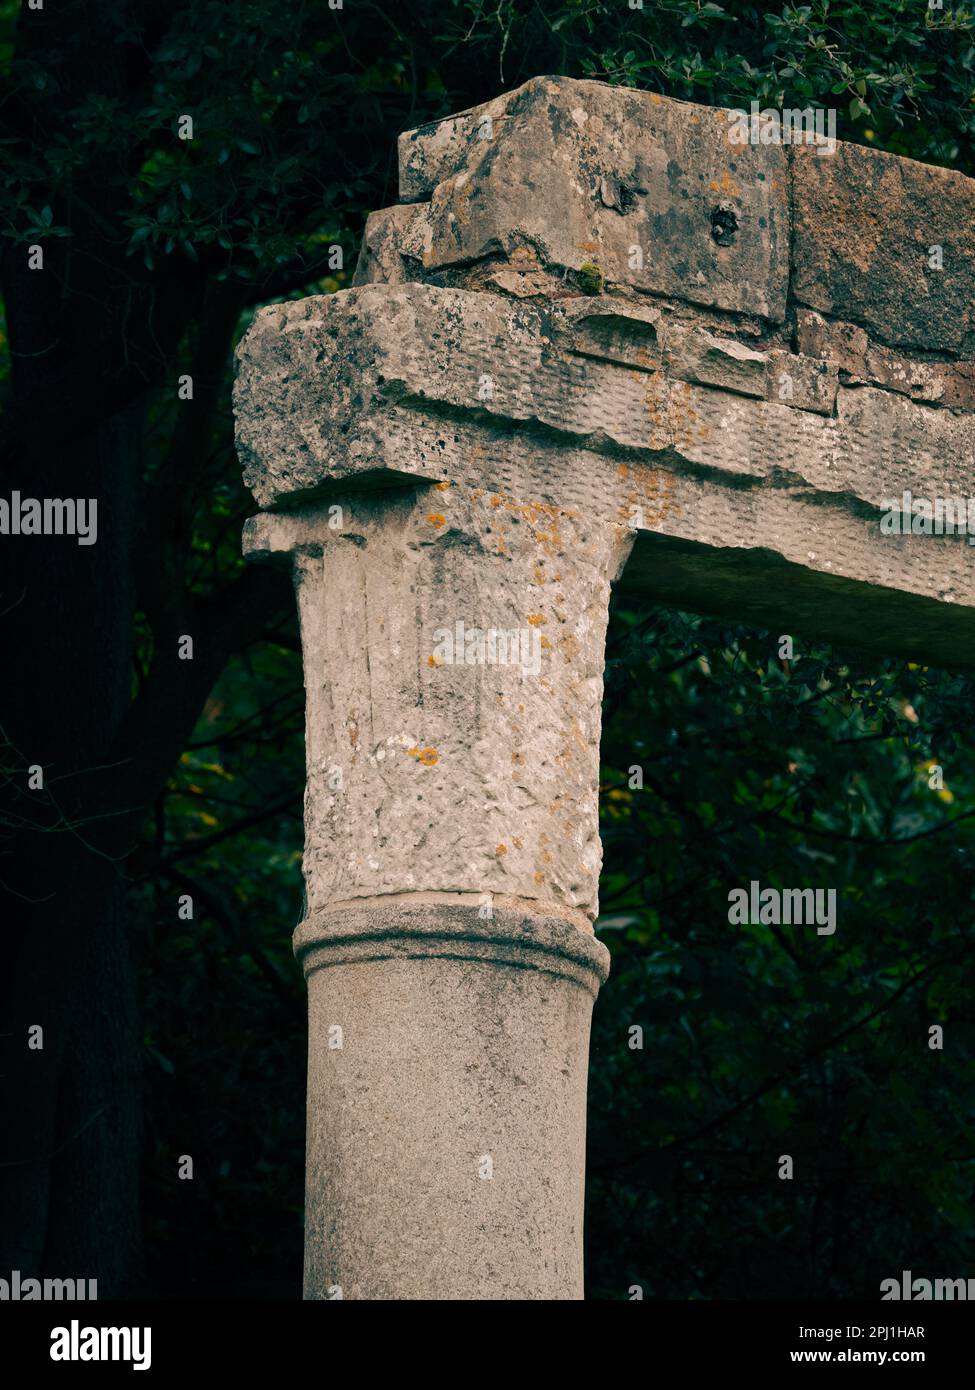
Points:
point(453, 650)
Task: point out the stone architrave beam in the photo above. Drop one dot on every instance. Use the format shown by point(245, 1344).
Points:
point(598, 343)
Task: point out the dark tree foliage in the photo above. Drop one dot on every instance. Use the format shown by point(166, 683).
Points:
point(761, 1041)
point(166, 778)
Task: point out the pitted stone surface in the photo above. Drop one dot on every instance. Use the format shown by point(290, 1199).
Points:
point(430, 766)
point(616, 414)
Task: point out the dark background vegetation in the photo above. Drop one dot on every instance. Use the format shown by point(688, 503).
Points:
point(164, 777)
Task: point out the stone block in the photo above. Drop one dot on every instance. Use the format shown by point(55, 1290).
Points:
point(867, 226)
point(632, 190)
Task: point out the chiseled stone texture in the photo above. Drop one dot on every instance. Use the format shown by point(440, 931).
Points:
point(454, 776)
point(612, 417)
point(463, 1041)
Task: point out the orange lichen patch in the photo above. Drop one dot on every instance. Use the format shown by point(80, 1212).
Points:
point(436, 519)
point(623, 471)
point(656, 98)
point(434, 660)
point(443, 487)
point(589, 246)
point(538, 574)
point(671, 415)
point(726, 186)
point(521, 709)
point(544, 642)
point(459, 192)
point(658, 488)
point(427, 756)
point(536, 619)
point(548, 544)
point(538, 876)
point(523, 253)
point(653, 507)
point(570, 646)
point(537, 514)
point(516, 842)
point(501, 850)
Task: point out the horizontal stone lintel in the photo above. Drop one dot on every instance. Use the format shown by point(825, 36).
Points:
point(784, 559)
point(342, 389)
point(637, 423)
point(761, 586)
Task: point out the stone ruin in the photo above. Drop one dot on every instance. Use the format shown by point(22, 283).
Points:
point(598, 346)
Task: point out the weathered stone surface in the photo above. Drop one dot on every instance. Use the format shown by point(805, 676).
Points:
point(627, 334)
point(435, 151)
point(627, 170)
point(843, 344)
point(343, 377)
point(803, 382)
point(386, 244)
point(788, 585)
point(458, 458)
point(695, 355)
point(960, 386)
point(629, 186)
point(866, 223)
point(428, 770)
point(446, 1137)
point(323, 383)
point(848, 349)
point(575, 410)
